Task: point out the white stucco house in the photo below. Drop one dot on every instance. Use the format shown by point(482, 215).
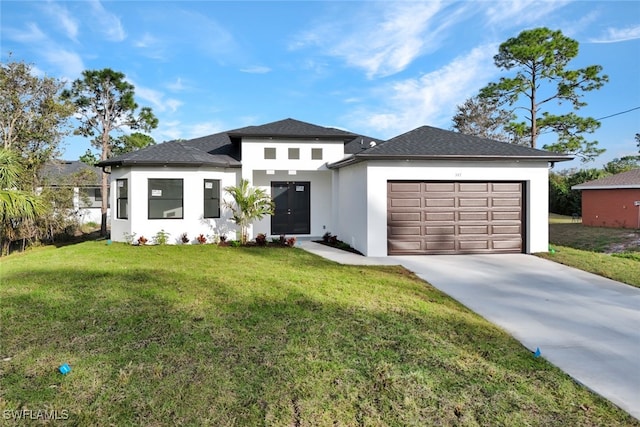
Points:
point(428, 191)
point(84, 182)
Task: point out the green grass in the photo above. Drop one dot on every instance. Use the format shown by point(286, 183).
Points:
point(621, 267)
point(202, 335)
point(608, 252)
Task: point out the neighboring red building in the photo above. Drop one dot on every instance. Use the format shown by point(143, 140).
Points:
point(613, 201)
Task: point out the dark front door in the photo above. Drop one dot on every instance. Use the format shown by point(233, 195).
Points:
point(293, 208)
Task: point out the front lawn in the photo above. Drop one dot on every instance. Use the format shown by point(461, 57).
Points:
point(608, 252)
point(203, 335)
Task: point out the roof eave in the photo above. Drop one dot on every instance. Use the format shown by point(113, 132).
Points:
point(606, 187)
point(356, 158)
point(341, 137)
point(177, 164)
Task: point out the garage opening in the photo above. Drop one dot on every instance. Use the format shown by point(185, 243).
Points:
point(436, 217)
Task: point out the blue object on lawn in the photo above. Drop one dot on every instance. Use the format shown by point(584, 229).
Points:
point(64, 369)
point(537, 353)
point(109, 242)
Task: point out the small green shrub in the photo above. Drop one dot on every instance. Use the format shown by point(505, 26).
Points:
point(161, 237)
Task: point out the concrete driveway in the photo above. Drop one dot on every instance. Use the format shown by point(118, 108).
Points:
point(586, 325)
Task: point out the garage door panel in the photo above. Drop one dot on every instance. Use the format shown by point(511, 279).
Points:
point(505, 187)
point(505, 215)
point(440, 216)
point(506, 202)
point(469, 245)
point(439, 246)
point(411, 246)
point(473, 186)
point(403, 187)
point(473, 216)
point(465, 202)
point(406, 216)
point(406, 203)
point(406, 231)
point(439, 186)
point(506, 229)
point(473, 229)
point(455, 217)
point(440, 230)
point(448, 202)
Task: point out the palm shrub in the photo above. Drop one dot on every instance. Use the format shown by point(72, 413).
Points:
point(16, 206)
point(249, 204)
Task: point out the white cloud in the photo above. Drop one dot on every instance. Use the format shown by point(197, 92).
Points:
point(157, 99)
point(256, 69)
point(32, 34)
point(614, 35)
point(430, 99)
point(147, 40)
point(387, 36)
point(63, 19)
point(177, 86)
point(109, 23)
point(202, 129)
point(519, 12)
point(70, 63)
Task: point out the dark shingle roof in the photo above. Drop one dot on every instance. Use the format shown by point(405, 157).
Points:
point(427, 142)
point(629, 179)
point(293, 128)
point(59, 172)
point(212, 150)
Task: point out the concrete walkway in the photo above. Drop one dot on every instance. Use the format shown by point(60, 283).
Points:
point(586, 325)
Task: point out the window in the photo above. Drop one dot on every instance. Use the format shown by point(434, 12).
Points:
point(165, 198)
point(316, 154)
point(269, 153)
point(212, 198)
point(123, 199)
point(294, 153)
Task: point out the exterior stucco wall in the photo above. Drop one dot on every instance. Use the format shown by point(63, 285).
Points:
point(376, 175)
point(253, 155)
point(351, 222)
point(611, 208)
point(192, 223)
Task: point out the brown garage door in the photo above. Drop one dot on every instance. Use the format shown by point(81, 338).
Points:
point(454, 217)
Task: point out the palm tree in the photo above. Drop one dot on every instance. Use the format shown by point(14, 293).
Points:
point(15, 205)
point(250, 204)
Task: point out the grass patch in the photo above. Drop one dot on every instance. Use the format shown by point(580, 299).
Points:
point(203, 335)
point(621, 267)
point(608, 252)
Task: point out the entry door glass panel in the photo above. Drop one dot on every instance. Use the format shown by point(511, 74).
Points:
point(292, 214)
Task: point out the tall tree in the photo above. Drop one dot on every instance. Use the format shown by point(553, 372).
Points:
point(123, 144)
point(33, 118)
point(540, 58)
point(249, 204)
point(483, 118)
point(638, 141)
point(105, 102)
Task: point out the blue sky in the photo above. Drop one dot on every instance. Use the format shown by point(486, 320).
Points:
point(376, 68)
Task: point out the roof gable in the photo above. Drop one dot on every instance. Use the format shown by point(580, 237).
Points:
point(290, 128)
point(629, 179)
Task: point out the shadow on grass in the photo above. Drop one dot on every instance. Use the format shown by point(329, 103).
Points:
point(157, 347)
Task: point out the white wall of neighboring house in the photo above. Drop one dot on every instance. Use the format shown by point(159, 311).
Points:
point(87, 206)
point(193, 223)
point(371, 178)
